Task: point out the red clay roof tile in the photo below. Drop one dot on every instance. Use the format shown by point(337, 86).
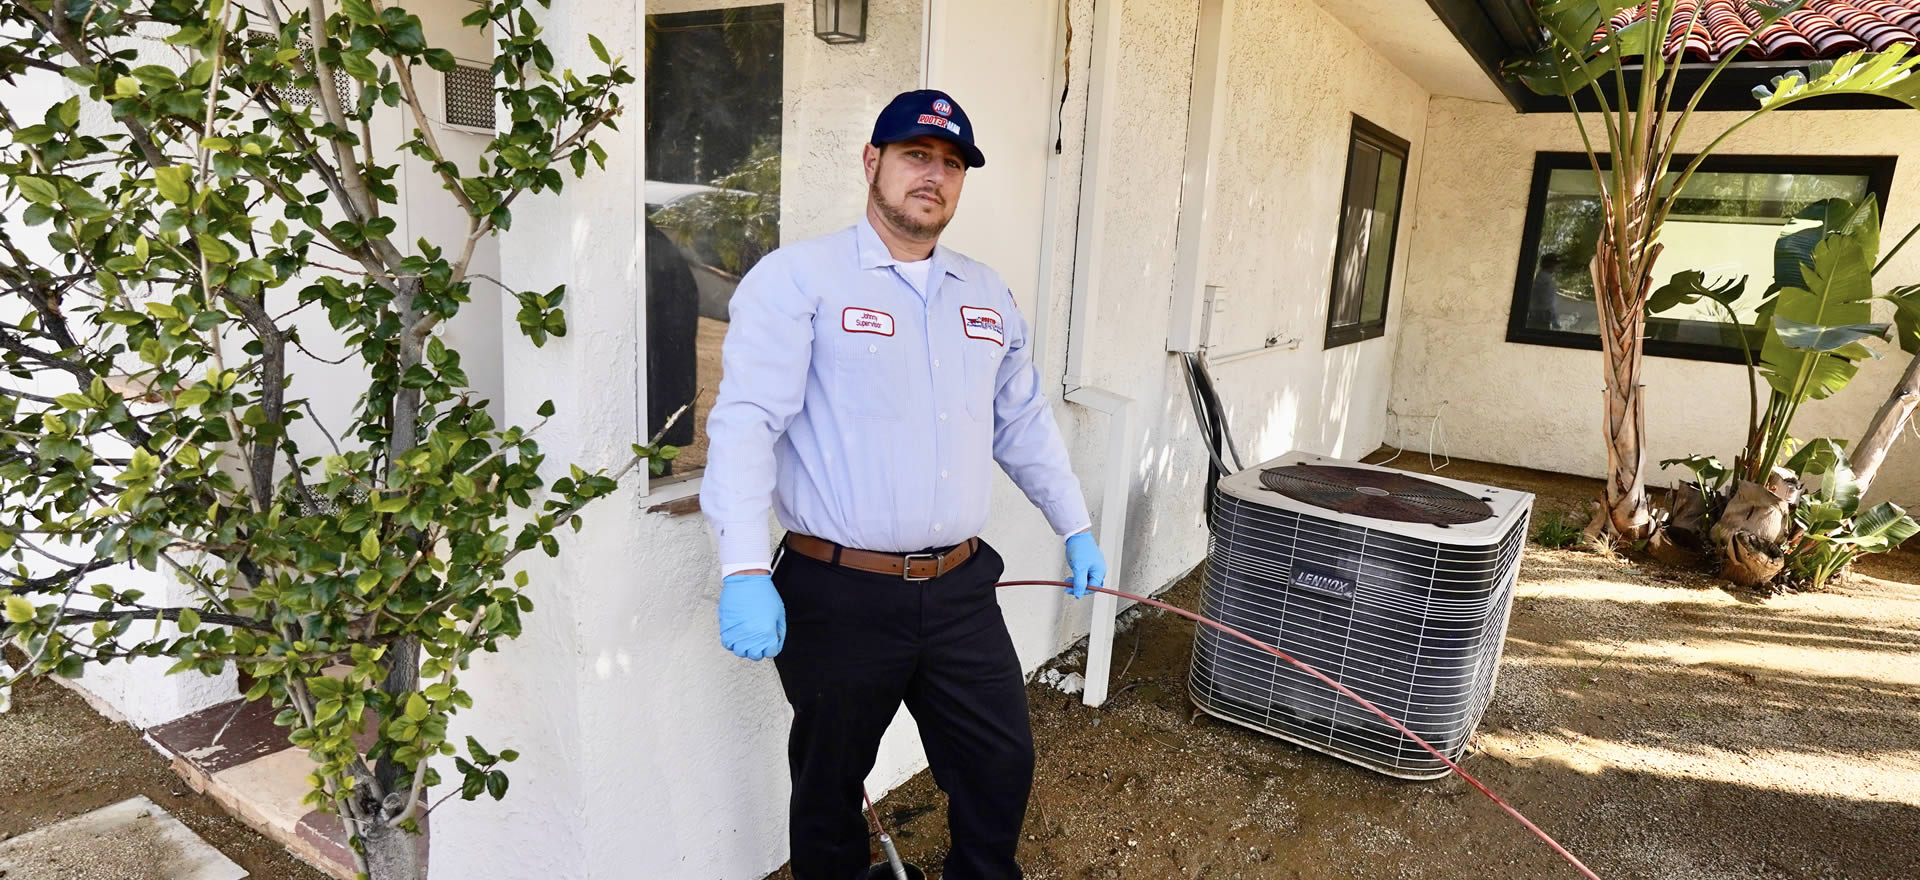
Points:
point(1709, 29)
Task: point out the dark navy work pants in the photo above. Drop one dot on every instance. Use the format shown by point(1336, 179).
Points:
point(858, 646)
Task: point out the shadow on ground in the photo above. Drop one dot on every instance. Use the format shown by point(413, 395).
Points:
point(1658, 725)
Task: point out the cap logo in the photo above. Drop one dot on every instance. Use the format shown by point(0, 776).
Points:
point(939, 122)
point(943, 107)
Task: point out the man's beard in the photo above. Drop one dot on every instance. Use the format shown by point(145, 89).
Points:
point(897, 216)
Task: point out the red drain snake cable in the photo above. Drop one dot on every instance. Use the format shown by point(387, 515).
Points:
point(1584, 870)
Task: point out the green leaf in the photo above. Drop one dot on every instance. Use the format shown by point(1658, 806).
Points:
point(189, 620)
point(1885, 74)
point(1839, 285)
point(545, 410)
point(1813, 337)
point(192, 397)
point(416, 707)
point(497, 784)
point(1887, 520)
point(38, 190)
point(19, 610)
point(1818, 457)
point(360, 12)
point(216, 251)
point(367, 580)
point(172, 181)
point(370, 544)
point(599, 49)
point(1906, 317)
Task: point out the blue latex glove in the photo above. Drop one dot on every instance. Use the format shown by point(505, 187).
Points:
point(1089, 566)
point(753, 621)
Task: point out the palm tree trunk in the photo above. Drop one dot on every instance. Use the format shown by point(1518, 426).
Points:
point(1885, 428)
point(1620, 291)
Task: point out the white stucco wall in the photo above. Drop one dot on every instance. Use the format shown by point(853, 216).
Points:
point(1276, 203)
point(1541, 406)
point(632, 716)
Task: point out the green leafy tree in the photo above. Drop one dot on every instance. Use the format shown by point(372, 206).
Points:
point(166, 225)
point(1633, 152)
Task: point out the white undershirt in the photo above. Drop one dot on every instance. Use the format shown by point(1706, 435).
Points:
point(916, 274)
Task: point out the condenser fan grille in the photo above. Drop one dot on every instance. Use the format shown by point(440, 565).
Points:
point(1377, 494)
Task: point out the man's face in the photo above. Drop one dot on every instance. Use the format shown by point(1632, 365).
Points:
point(915, 184)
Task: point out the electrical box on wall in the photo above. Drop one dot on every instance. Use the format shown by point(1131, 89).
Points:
point(1213, 320)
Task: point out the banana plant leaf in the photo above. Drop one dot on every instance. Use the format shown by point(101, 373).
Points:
point(1883, 527)
point(1573, 59)
point(1842, 340)
point(1818, 457)
point(1885, 74)
point(1839, 286)
point(1906, 317)
point(1839, 489)
point(1690, 286)
point(1708, 469)
point(1837, 217)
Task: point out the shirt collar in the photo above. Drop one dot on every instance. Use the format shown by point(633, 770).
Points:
point(874, 253)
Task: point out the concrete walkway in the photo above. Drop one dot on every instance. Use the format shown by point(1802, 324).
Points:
point(131, 840)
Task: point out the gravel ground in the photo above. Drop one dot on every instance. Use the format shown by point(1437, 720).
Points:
point(59, 758)
point(1658, 725)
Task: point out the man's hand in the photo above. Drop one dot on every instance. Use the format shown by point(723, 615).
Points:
point(1089, 566)
point(753, 621)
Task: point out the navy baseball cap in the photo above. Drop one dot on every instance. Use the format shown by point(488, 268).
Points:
point(927, 113)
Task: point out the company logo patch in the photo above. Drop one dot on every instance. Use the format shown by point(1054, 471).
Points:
point(939, 122)
point(943, 108)
point(1323, 582)
point(866, 321)
point(983, 323)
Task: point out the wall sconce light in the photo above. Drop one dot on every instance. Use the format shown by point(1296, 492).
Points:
point(840, 21)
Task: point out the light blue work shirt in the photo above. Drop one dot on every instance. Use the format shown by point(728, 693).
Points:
point(871, 414)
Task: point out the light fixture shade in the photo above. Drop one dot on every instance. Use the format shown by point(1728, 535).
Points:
point(840, 21)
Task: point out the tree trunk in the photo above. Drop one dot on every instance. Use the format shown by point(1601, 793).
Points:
point(1885, 428)
point(392, 853)
point(1621, 301)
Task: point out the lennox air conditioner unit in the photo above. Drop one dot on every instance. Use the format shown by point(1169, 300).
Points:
point(1396, 586)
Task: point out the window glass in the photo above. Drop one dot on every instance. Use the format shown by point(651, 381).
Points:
point(1369, 221)
point(713, 111)
point(753, 134)
point(1724, 225)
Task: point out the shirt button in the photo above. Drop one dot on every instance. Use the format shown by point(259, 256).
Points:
point(937, 527)
point(936, 363)
point(943, 475)
point(943, 417)
point(872, 348)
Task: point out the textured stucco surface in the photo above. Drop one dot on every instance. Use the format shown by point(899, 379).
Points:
point(1275, 202)
point(1542, 407)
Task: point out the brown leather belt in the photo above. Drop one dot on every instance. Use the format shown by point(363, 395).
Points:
point(909, 566)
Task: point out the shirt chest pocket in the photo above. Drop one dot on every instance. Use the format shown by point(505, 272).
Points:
point(982, 363)
point(867, 375)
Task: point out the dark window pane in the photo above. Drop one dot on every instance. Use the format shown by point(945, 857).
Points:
point(1725, 225)
point(1369, 218)
point(1386, 219)
point(713, 108)
point(1363, 177)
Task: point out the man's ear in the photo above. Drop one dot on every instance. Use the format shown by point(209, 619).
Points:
point(870, 159)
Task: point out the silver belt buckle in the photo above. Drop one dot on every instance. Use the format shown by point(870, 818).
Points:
point(906, 566)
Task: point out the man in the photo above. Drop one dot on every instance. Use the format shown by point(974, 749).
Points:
point(871, 380)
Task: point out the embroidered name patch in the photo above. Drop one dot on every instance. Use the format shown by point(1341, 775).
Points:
point(981, 323)
point(866, 321)
point(939, 122)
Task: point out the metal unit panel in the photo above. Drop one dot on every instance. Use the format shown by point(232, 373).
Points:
point(1411, 623)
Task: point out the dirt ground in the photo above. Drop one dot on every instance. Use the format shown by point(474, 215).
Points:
point(1658, 725)
point(59, 758)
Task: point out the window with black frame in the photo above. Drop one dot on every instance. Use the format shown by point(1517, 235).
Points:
point(714, 103)
point(1724, 225)
point(1369, 225)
